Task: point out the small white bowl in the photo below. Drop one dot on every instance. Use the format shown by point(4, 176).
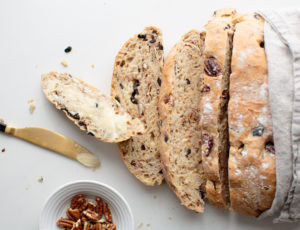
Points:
point(58, 202)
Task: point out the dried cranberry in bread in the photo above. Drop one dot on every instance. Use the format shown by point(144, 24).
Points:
point(179, 109)
point(93, 112)
point(252, 176)
point(136, 84)
point(215, 139)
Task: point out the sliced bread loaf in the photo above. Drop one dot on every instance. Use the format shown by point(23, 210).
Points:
point(215, 140)
point(179, 109)
point(93, 112)
point(252, 176)
point(136, 84)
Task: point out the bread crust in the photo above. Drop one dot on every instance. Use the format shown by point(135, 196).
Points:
point(134, 125)
point(189, 188)
point(218, 45)
point(151, 166)
point(252, 174)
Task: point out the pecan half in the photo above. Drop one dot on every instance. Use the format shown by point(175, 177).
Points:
point(65, 223)
point(73, 214)
point(82, 204)
point(111, 227)
point(92, 206)
point(107, 213)
point(98, 226)
point(99, 207)
point(75, 200)
point(91, 215)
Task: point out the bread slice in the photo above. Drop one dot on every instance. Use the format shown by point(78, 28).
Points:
point(136, 84)
point(93, 112)
point(252, 175)
point(179, 108)
point(215, 139)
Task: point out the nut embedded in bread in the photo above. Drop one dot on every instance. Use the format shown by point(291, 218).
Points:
point(214, 126)
point(179, 109)
point(252, 175)
point(93, 112)
point(136, 84)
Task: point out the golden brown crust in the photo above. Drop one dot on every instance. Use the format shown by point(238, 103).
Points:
point(179, 115)
point(252, 175)
point(218, 44)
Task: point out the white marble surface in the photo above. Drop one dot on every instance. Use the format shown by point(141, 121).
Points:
point(33, 36)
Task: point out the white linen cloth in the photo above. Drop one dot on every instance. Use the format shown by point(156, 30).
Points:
point(282, 45)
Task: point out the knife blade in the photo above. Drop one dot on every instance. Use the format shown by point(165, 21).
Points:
point(54, 142)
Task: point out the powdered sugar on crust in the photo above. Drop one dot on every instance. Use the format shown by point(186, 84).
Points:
point(207, 108)
point(244, 55)
point(265, 165)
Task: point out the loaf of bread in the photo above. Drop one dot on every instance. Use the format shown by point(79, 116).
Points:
point(136, 84)
point(214, 126)
point(93, 112)
point(252, 175)
point(179, 108)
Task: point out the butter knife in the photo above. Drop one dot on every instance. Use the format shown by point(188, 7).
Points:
point(55, 142)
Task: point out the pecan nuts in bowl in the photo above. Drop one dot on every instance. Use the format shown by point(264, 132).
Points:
point(86, 205)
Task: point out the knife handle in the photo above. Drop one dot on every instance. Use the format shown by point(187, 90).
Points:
point(2, 127)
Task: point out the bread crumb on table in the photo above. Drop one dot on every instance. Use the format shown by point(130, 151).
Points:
point(31, 108)
point(2, 120)
point(30, 101)
point(148, 225)
point(154, 196)
point(65, 63)
point(140, 225)
point(41, 179)
point(93, 66)
point(3, 150)
point(170, 217)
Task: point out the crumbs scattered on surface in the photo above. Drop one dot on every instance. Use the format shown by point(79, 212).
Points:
point(64, 62)
point(93, 66)
point(170, 217)
point(148, 225)
point(31, 108)
point(3, 150)
point(41, 179)
point(154, 196)
point(140, 225)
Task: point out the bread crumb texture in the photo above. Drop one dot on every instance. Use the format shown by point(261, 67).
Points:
point(64, 62)
point(136, 84)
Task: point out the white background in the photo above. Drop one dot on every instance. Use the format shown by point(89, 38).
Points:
point(33, 36)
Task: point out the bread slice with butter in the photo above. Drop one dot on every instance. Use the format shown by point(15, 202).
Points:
point(93, 112)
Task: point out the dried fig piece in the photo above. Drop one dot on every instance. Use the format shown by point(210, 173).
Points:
point(270, 147)
point(212, 68)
